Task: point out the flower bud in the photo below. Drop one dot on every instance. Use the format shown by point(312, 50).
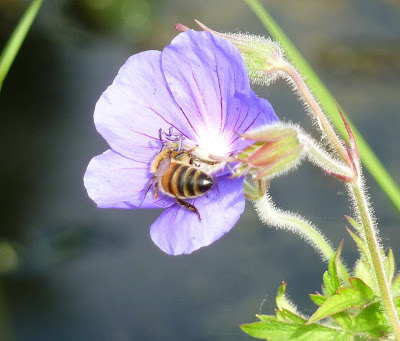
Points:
point(263, 56)
point(276, 150)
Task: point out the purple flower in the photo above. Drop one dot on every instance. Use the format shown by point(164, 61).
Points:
point(198, 85)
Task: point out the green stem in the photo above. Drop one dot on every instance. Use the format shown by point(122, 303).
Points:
point(326, 99)
point(309, 99)
point(356, 186)
point(296, 224)
point(362, 207)
point(14, 43)
point(324, 160)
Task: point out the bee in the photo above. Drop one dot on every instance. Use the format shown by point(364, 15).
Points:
point(176, 174)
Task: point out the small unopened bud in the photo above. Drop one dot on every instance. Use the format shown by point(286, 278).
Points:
point(276, 150)
point(263, 56)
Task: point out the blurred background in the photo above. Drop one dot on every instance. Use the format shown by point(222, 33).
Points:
point(71, 271)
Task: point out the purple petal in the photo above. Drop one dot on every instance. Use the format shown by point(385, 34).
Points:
point(179, 230)
point(131, 111)
point(256, 113)
point(114, 181)
point(204, 72)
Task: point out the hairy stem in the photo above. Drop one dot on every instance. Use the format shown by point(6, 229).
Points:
point(309, 99)
point(356, 188)
point(272, 216)
point(370, 235)
point(324, 160)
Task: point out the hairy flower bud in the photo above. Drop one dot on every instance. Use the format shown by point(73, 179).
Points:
point(263, 56)
point(276, 149)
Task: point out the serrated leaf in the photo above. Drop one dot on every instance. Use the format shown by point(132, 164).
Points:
point(284, 331)
point(328, 102)
point(371, 320)
point(357, 296)
point(318, 299)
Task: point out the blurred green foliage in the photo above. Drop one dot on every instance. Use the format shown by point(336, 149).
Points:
point(132, 19)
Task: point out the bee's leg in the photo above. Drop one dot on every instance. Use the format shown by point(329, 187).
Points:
point(199, 159)
point(186, 152)
point(190, 207)
point(156, 190)
point(194, 158)
point(151, 182)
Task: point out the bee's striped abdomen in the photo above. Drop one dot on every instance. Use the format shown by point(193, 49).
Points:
point(183, 181)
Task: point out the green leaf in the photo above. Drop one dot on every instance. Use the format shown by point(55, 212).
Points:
point(289, 316)
point(354, 224)
point(329, 284)
point(280, 316)
point(362, 288)
point(361, 245)
point(396, 302)
point(331, 279)
point(395, 288)
point(266, 317)
point(371, 320)
point(283, 331)
point(281, 301)
point(357, 296)
point(326, 99)
point(343, 319)
point(14, 43)
point(318, 299)
point(389, 264)
point(363, 269)
point(364, 272)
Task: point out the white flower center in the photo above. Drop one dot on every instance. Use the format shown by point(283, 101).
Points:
point(213, 143)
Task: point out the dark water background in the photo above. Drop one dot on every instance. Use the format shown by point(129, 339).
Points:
point(70, 271)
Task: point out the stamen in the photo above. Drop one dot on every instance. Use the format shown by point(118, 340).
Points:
point(171, 137)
